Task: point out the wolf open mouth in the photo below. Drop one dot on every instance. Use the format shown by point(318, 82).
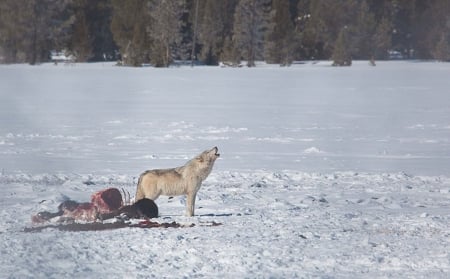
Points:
point(217, 151)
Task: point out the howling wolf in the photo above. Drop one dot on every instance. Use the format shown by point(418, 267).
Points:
point(184, 180)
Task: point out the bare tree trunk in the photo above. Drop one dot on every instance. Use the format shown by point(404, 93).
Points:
point(195, 34)
point(167, 56)
point(33, 47)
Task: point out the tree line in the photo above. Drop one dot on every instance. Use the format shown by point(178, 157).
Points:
point(157, 32)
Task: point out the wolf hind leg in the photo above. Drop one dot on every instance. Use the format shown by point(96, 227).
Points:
point(139, 193)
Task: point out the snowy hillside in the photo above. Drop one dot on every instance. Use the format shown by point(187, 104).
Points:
point(324, 172)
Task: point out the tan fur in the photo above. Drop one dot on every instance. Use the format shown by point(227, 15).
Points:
point(184, 180)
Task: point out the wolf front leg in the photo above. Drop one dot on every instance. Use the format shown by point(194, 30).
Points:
point(190, 204)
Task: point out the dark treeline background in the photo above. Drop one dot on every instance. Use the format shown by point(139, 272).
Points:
point(157, 32)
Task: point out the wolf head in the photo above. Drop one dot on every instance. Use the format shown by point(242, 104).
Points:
point(202, 164)
point(208, 156)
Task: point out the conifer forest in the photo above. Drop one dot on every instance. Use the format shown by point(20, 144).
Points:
point(159, 32)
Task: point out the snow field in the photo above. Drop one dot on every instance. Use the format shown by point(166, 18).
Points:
point(284, 224)
point(324, 172)
point(309, 117)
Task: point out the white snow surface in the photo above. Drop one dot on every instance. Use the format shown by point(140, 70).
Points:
point(324, 172)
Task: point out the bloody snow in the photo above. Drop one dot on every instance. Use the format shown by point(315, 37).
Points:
point(324, 172)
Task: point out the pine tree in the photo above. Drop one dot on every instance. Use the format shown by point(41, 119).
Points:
point(47, 28)
point(138, 48)
point(304, 36)
point(212, 29)
point(165, 29)
point(81, 41)
point(362, 32)
point(248, 30)
point(13, 30)
point(442, 50)
point(98, 20)
point(325, 22)
point(280, 34)
point(128, 26)
point(401, 15)
point(30, 29)
point(227, 47)
point(383, 38)
point(230, 55)
point(431, 24)
point(341, 53)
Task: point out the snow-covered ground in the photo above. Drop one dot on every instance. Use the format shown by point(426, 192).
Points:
point(324, 172)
